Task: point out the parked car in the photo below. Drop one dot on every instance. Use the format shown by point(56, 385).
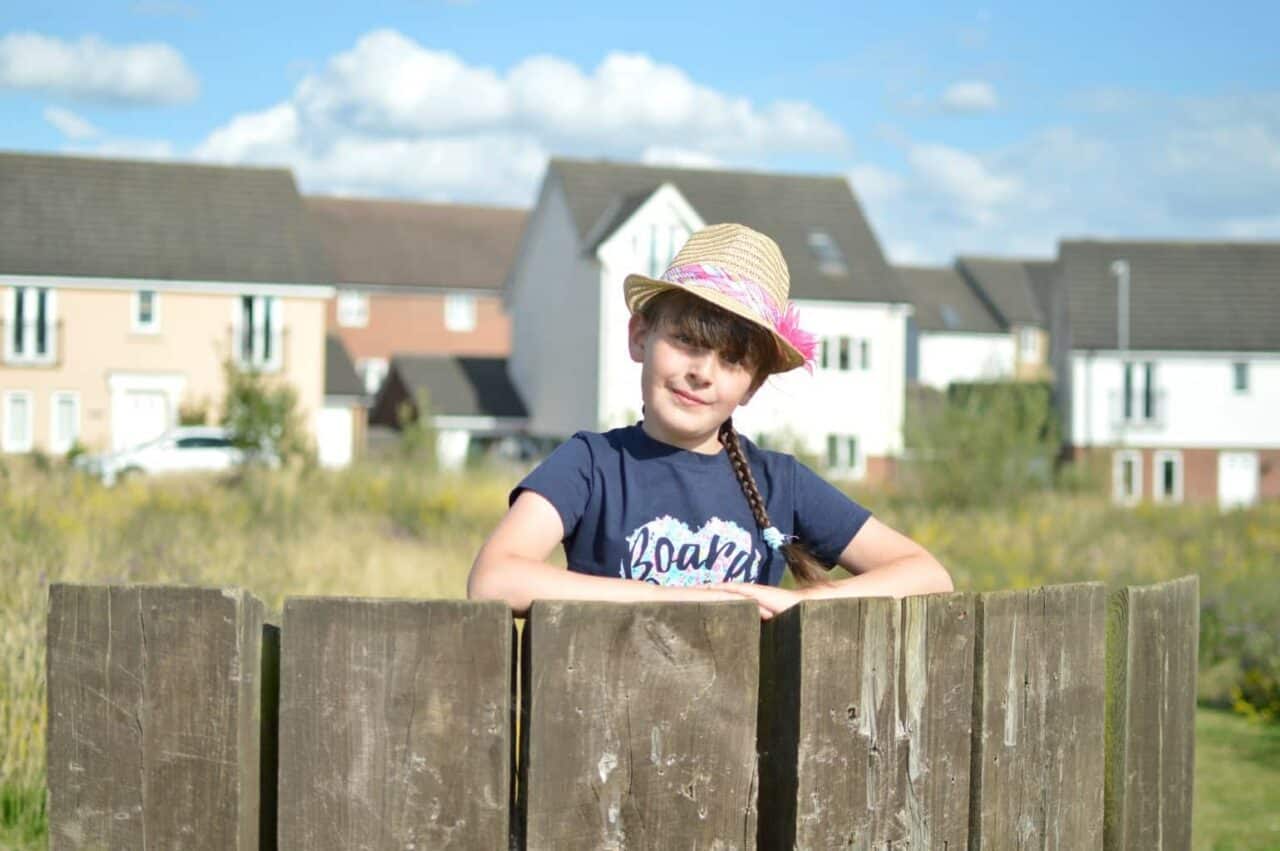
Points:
point(184, 449)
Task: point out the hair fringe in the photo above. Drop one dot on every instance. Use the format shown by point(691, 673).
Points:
point(803, 564)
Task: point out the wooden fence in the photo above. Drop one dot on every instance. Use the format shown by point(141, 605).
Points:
point(1053, 718)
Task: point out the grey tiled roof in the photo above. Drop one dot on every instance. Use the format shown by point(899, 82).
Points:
point(340, 377)
point(109, 218)
point(945, 302)
point(461, 386)
point(784, 206)
point(1007, 286)
point(402, 243)
point(1192, 296)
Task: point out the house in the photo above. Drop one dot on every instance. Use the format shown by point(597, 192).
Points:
point(952, 336)
point(596, 221)
point(472, 402)
point(344, 416)
point(1167, 356)
point(416, 278)
point(1017, 293)
point(125, 286)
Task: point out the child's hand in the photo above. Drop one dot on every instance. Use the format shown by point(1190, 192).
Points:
point(770, 600)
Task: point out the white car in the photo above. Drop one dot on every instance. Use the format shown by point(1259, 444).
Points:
point(184, 449)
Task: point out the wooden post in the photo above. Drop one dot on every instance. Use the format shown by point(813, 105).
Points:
point(395, 724)
point(1152, 652)
point(864, 723)
point(1037, 772)
point(154, 702)
point(639, 726)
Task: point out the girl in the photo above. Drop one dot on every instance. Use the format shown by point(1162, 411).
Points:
point(680, 506)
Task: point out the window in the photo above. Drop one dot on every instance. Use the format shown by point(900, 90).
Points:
point(18, 411)
point(374, 370)
point(460, 312)
point(1240, 376)
point(823, 346)
point(950, 317)
point(64, 422)
point(844, 358)
point(1126, 472)
point(203, 443)
point(1139, 397)
point(828, 254)
point(146, 312)
point(1166, 476)
point(842, 452)
point(258, 339)
point(353, 309)
point(30, 329)
point(1028, 344)
point(864, 354)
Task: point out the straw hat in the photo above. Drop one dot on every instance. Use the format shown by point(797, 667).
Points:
point(742, 271)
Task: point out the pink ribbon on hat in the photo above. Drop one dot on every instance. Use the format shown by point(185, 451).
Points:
point(785, 321)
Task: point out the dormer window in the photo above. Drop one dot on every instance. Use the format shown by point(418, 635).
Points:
point(828, 254)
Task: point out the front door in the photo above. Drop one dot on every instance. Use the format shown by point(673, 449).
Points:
point(1237, 478)
point(143, 415)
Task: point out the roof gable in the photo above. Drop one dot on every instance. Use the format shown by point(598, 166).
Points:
point(402, 243)
point(340, 378)
point(461, 386)
point(1184, 296)
point(1006, 285)
point(787, 207)
point(105, 218)
point(944, 301)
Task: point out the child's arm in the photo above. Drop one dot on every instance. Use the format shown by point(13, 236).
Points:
point(512, 566)
point(885, 563)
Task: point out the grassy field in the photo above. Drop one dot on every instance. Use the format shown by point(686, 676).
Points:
point(391, 531)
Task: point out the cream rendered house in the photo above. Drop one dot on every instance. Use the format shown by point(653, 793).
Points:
point(124, 286)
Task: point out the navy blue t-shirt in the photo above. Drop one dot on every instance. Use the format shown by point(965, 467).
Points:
point(637, 508)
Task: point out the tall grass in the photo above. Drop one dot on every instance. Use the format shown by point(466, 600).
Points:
point(390, 530)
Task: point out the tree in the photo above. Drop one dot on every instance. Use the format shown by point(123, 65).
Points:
point(263, 415)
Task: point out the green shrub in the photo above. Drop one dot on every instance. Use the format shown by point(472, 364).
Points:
point(262, 414)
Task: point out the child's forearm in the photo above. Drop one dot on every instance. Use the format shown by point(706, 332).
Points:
point(903, 578)
point(519, 581)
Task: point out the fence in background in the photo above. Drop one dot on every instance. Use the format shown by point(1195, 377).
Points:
point(1053, 718)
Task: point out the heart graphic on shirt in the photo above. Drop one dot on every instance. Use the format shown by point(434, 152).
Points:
point(665, 551)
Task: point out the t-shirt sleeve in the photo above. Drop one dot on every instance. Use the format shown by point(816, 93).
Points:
point(564, 479)
point(826, 518)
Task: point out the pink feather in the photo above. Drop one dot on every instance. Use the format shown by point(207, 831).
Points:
point(788, 327)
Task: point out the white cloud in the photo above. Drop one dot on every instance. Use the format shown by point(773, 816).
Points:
point(873, 183)
point(69, 124)
point(970, 96)
point(92, 69)
point(388, 96)
point(964, 177)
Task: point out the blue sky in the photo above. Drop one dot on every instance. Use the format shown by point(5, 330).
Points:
point(991, 129)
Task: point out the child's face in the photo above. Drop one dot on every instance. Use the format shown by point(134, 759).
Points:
point(688, 392)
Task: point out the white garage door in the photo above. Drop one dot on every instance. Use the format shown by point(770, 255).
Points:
point(142, 416)
point(335, 435)
point(1237, 478)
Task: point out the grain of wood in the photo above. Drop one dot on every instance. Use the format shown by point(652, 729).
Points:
point(154, 713)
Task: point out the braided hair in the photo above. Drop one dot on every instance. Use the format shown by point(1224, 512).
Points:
point(710, 327)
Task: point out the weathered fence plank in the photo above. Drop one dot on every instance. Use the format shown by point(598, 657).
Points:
point(153, 737)
point(639, 726)
point(832, 688)
point(937, 699)
point(1152, 648)
point(1037, 764)
point(395, 724)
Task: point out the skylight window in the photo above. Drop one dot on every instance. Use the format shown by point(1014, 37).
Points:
point(950, 317)
point(830, 257)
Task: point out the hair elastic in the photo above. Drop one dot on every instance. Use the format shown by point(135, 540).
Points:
point(775, 539)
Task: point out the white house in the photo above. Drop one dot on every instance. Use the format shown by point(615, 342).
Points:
point(1168, 361)
point(953, 337)
point(595, 222)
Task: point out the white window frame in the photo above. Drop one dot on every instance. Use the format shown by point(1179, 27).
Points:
point(353, 309)
point(848, 459)
point(28, 356)
point(1158, 461)
point(844, 354)
point(369, 368)
point(57, 442)
point(1238, 368)
point(1140, 377)
point(460, 312)
point(135, 313)
point(1028, 344)
point(268, 324)
point(864, 354)
point(8, 444)
point(1118, 457)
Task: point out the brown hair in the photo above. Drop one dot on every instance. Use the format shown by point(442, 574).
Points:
point(737, 341)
